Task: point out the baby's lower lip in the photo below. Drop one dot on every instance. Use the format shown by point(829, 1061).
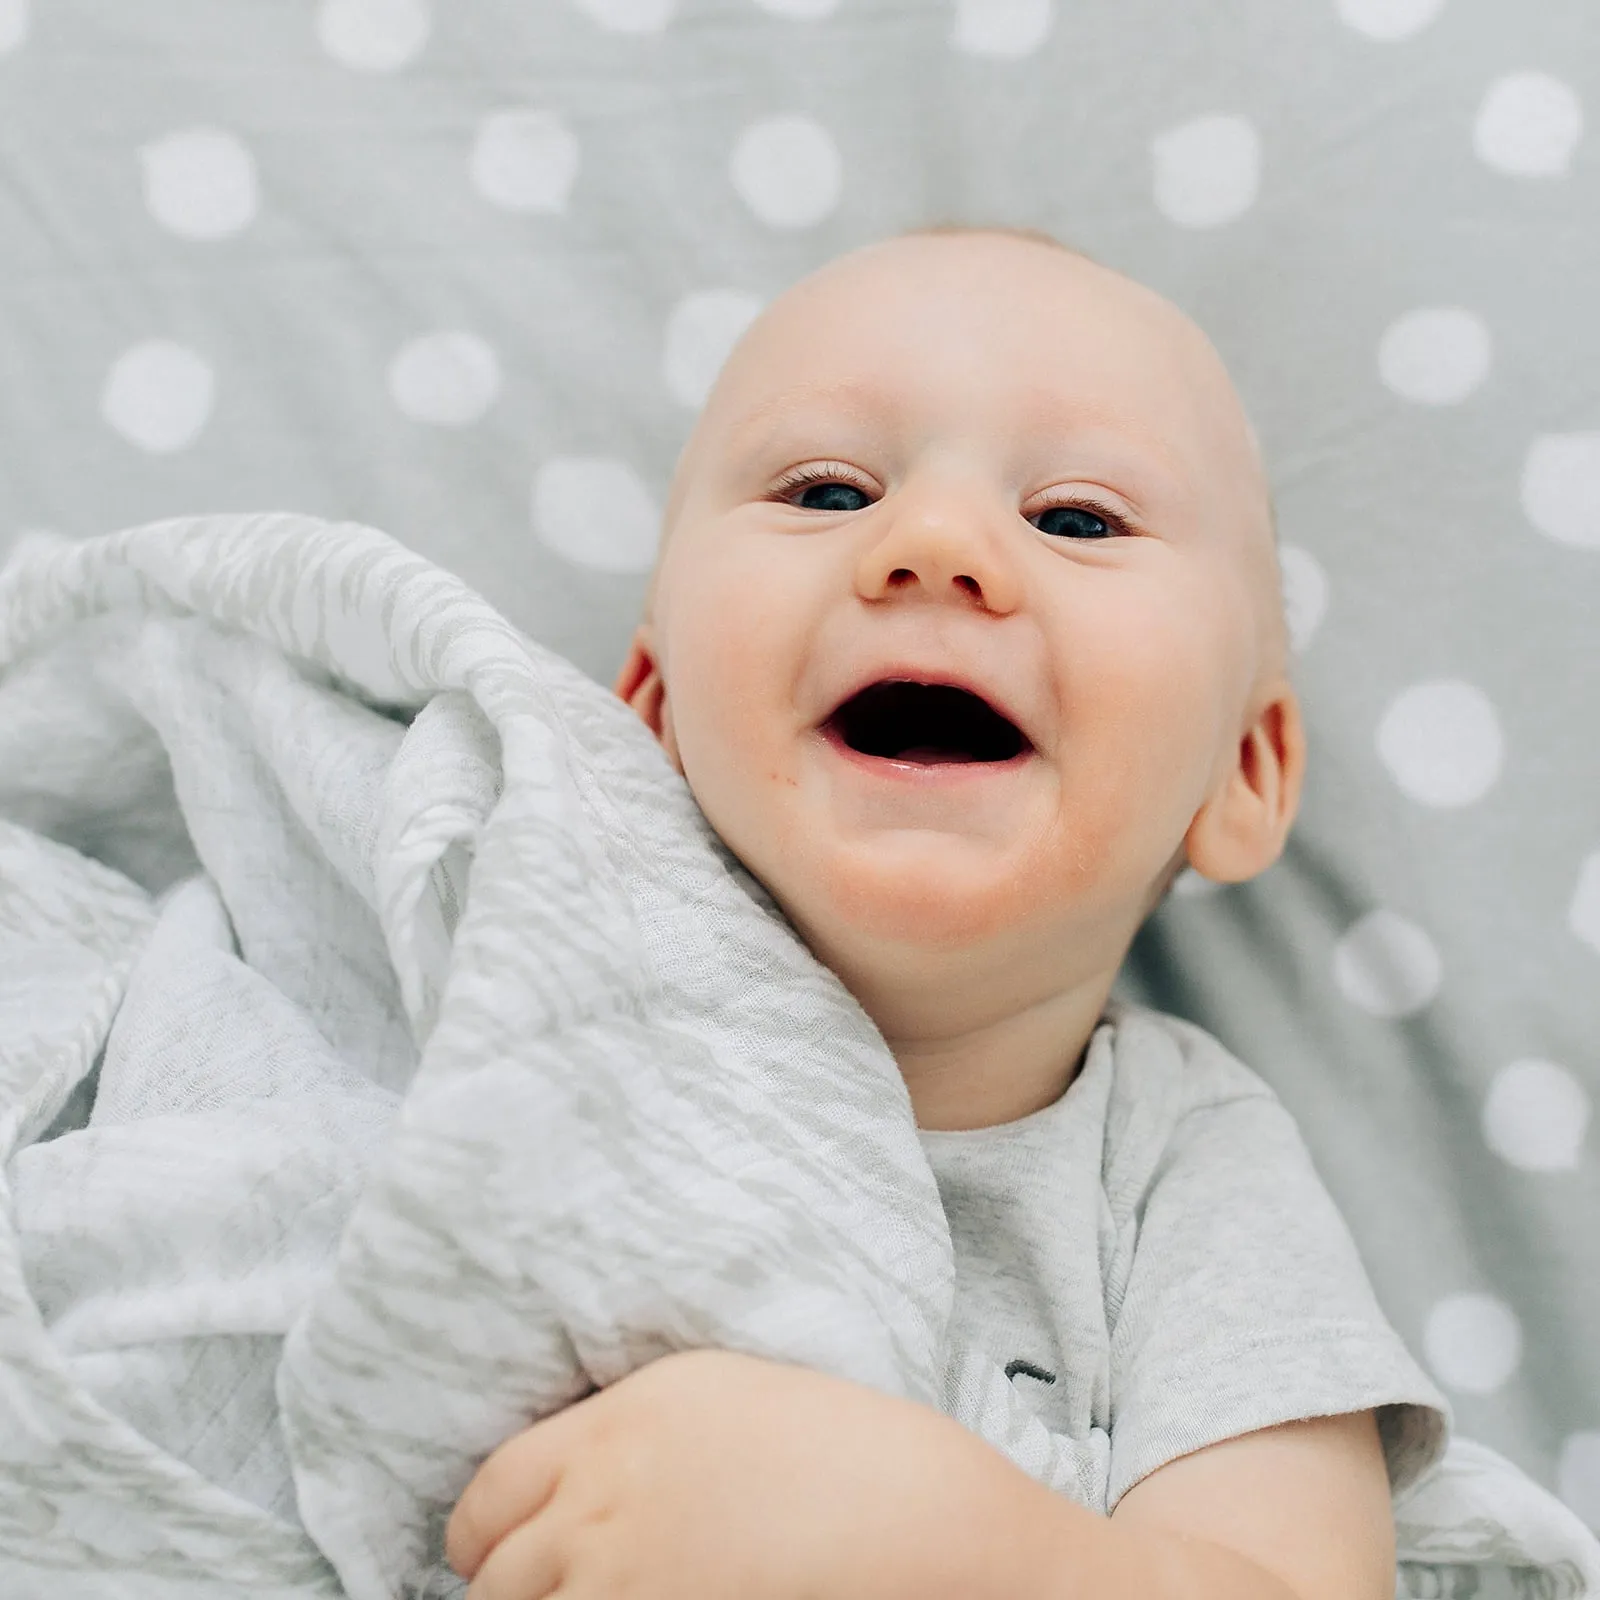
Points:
point(933, 770)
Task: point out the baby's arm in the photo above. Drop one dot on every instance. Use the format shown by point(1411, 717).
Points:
point(710, 1475)
point(1306, 1501)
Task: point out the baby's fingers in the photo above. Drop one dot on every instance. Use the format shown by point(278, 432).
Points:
point(511, 1487)
point(525, 1565)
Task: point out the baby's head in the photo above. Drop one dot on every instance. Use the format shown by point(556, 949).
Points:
point(966, 629)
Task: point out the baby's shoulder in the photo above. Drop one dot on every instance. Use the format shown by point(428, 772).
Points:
point(1155, 1054)
point(1179, 1103)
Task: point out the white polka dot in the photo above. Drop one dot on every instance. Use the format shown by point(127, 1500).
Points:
point(1191, 885)
point(1578, 1476)
point(449, 379)
point(787, 170)
point(1436, 356)
point(1535, 1115)
point(1528, 125)
point(200, 183)
point(1389, 20)
point(158, 395)
point(524, 160)
point(701, 331)
point(13, 24)
point(1583, 915)
point(1561, 488)
point(1473, 1342)
point(594, 510)
point(1207, 171)
point(1387, 965)
point(1441, 742)
point(1004, 28)
point(800, 10)
point(373, 35)
point(1305, 594)
point(630, 16)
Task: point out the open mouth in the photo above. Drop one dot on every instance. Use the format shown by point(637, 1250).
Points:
point(931, 724)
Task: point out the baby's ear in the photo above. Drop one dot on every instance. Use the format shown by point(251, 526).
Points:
point(640, 684)
point(1241, 829)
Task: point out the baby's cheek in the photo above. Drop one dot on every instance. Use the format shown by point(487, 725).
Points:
point(1139, 762)
point(710, 657)
point(727, 725)
point(731, 624)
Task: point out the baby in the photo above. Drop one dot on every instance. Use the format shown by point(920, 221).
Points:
point(966, 635)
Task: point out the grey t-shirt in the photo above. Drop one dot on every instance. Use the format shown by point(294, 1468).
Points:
point(1157, 1265)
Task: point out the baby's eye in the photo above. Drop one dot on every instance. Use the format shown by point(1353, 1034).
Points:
point(832, 497)
point(1073, 522)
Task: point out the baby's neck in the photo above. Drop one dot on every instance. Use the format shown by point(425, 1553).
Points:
point(1001, 1072)
point(979, 1059)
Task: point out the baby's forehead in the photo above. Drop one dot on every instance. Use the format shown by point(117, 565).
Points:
point(995, 315)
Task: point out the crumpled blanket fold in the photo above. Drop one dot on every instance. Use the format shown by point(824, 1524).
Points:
point(390, 1052)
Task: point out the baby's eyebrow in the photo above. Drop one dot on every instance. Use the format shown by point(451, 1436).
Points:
point(1087, 424)
point(811, 404)
point(1076, 437)
point(1144, 470)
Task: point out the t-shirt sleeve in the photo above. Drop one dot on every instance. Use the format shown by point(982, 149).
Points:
point(1246, 1304)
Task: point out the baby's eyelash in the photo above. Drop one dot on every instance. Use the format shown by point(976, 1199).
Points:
point(1115, 520)
point(821, 472)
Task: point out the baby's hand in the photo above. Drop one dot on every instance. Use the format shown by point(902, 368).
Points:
point(708, 1475)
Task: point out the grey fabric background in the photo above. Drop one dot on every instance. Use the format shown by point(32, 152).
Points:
point(462, 272)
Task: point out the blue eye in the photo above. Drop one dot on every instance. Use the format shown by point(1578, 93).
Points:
point(1072, 522)
point(832, 497)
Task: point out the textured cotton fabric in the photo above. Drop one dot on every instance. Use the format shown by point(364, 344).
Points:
point(1155, 1261)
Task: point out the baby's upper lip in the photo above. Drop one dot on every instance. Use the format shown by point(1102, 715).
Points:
point(933, 676)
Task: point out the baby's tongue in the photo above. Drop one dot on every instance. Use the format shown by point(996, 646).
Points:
point(932, 755)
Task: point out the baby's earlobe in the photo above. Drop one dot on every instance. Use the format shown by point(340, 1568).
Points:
point(638, 680)
point(634, 666)
point(639, 683)
point(1240, 831)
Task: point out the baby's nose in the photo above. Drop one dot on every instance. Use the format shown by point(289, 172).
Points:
point(942, 554)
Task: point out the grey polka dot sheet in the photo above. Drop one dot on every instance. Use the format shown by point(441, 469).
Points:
point(373, 1169)
point(465, 272)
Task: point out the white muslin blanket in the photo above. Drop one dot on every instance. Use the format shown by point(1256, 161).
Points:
point(389, 1052)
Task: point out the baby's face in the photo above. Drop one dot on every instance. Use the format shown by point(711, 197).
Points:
point(967, 602)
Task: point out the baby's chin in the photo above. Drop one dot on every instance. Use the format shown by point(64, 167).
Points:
point(916, 888)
